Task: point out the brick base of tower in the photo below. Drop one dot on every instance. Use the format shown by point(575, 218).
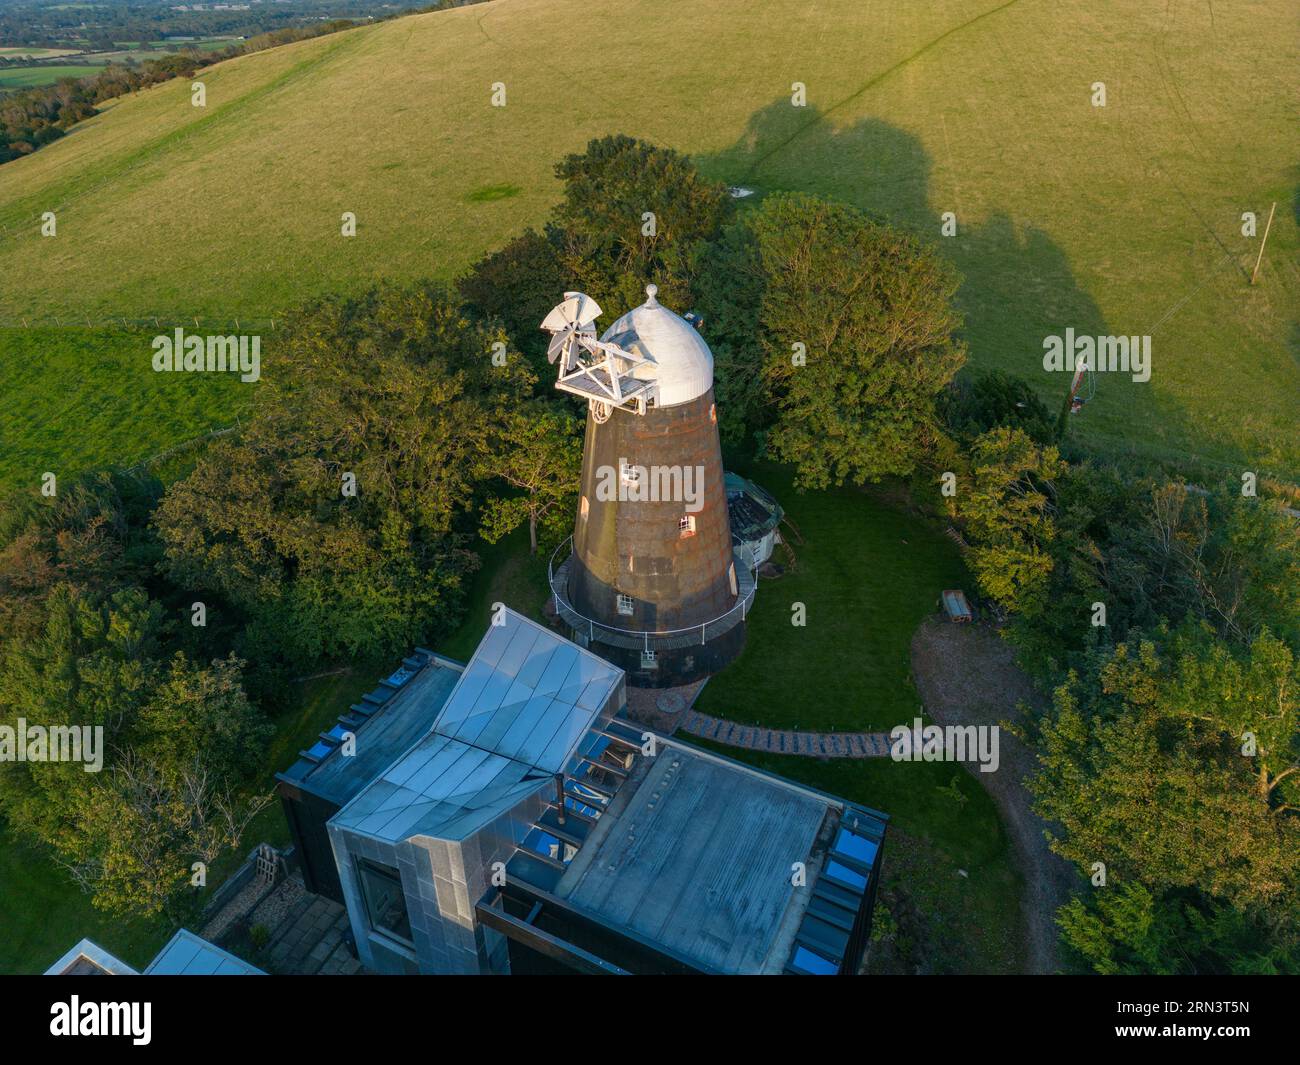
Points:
point(675, 667)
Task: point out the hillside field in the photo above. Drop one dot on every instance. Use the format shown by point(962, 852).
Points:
point(1123, 219)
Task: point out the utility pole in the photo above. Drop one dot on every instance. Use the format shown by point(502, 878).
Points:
point(1260, 258)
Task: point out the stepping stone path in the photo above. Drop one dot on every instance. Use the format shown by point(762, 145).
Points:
point(787, 741)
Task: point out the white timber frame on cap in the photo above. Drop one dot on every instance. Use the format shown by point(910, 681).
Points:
point(602, 373)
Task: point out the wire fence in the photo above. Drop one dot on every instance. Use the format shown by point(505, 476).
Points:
point(183, 446)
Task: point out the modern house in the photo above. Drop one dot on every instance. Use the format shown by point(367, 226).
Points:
point(530, 828)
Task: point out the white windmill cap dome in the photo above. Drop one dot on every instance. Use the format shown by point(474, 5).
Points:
point(682, 362)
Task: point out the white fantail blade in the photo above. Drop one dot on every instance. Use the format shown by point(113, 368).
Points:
point(577, 309)
point(557, 344)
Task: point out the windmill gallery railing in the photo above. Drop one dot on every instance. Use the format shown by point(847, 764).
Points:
point(662, 639)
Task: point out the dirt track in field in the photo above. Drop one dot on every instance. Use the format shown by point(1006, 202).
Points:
point(967, 675)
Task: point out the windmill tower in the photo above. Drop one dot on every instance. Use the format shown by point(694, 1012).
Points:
point(653, 582)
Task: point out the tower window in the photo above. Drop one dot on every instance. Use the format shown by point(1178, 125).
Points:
point(583, 507)
point(731, 578)
point(625, 605)
point(649, 660)
point(686, 525)
point(630, 474)
point(713, 413)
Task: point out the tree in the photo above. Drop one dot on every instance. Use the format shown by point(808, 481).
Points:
point(539, 456)
point(1146, 767)
point(338, 520)
point(1127, 930)
point(632, 214)
point(857, 327)
point(517, 285)
point(142, 829)
point(971, 407)
point(1008, 516)
point(178, 743)
point(81, 536)
point(730, 286)
point(1152, 550)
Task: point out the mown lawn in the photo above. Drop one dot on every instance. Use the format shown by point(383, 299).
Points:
point(866, 575)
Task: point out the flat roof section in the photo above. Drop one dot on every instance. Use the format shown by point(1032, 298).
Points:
point(390, 730)
point(697, 854)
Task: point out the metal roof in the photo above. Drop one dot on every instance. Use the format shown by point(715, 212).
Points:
point(528, 694)
point(88, 958)
point(520, 709)
point(441, 788)
point(752, 510)
point(386, 723)
point(680, 360)
point(698, 856)
point(189, 955)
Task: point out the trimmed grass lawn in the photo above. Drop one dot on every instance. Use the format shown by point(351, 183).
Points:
point(866, 575)
point(46, 915)
point(509, 575)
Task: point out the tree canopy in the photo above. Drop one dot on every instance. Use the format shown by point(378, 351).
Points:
point(855, 325)
point(338, 519)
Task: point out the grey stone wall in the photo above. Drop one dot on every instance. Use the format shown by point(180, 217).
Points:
point(442, 880)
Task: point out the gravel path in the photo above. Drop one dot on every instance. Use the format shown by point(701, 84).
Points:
point(966, 675)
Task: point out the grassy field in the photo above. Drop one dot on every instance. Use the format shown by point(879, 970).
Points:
point(1123, 219)
point(24, 52)
point(30, 77)
point(74, 400)
point(866, 576)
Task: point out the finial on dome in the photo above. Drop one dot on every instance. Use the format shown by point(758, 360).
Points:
point(651, 291)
